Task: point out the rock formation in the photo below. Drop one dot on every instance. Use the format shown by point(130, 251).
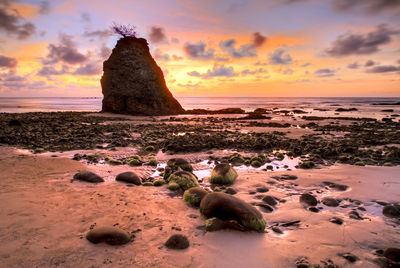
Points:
point(133, 83)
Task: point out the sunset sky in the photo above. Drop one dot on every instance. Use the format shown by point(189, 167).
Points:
point(207, 48)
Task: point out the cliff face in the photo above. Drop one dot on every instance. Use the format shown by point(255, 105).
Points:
point(133, 83)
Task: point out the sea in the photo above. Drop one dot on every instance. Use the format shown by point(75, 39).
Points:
point(366, 106)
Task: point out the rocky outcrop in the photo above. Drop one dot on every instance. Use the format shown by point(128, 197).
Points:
point(133, 83)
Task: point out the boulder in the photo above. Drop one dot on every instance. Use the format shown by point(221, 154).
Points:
point(308, 199)
point(177, 241)
point(330, 202)
point(109, 235)
point(227, 208)
point(183, 179)
point(133, 83)
point(223, 174)
point(193, 196)
point(391, 211)
point(128, 177)
point(175, 164)
point(88, 176)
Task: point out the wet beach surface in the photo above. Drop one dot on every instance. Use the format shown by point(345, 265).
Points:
point(350, 168)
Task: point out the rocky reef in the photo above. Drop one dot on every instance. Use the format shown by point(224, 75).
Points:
point(133, 83)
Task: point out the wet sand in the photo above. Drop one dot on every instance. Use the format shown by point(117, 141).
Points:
point(45, 217)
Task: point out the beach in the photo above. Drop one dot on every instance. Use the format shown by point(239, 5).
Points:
point(46, 215)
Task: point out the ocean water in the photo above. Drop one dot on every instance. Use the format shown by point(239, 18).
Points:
point(364, 105)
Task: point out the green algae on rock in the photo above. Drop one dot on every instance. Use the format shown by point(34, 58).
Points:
point(223, 174)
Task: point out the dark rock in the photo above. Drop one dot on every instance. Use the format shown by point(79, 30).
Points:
point(336, 220)
point(88, 176)
point(109, 235)
point(276, 229)
point(128, 177)
point(355, 215)
point(392, 254)
point(313, 209)
point(330, 202)
point(231, 191)
point(270, 200)
point(335, 186)
point(391, 211)
point(308, 199)
point(302, 262)
point(265, 207)
point(349, 256)
point(133, 83)
point(227, 207)
point(214, 224)
point(262, 189)
point(193, 196)
point(177, 241)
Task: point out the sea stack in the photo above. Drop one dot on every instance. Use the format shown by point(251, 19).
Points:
point(133, 83)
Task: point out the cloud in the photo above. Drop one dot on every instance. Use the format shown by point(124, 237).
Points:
point(157, 35)
point(221, 59)
point(244, 51)
point(259, 70)
point(358, 44)
point(288, 71)
point(198, 51)
point(44, 7)
point(104, 52)
point(305, 64)
point(175, 40)
point(258, 39)
point(91, 68)
point(278, 57)
point(353, 65)
point(14, 25)
point(217, 71)
point(7, 62)
point(369, 6)
point(66, 52)
point(369, 63)
point(85, 17)
point(325, 72)
point(99, 34)
point(188, 85)
point(176, 58)
point(383, 69)
point(158, 55)
point(50, 70)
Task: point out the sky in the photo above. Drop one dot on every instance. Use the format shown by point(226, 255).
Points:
point(236, 48)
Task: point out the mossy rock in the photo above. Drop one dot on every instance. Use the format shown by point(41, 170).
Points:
point(256, 164)
point(214, 224)
point(184, 179)
point(176, 164)
point(129, 177)
point(181, 163)
point(173, 186)
point(153, 162)
point(229, 208)
point(149, 148)
point(147, 183)
point(135, 162)
point(158, 182)
point(88, 176)
point(307, 164)
point(223, 174)
point(359, 163)
point(110, 235)
point(194, 195)
point(112, 161)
